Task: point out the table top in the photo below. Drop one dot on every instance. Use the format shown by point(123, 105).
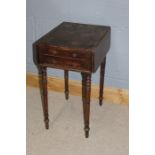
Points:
point(75, 36)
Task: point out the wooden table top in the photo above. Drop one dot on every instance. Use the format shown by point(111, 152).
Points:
point(75, 36)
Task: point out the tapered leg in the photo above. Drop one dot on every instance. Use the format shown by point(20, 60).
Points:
point(102, 73)
point(83, 88)
point(86, 91)
point(66, 84)
point(44, 95)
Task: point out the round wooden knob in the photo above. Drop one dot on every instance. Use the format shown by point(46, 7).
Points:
point(54, 52)
point(74, 55)
point(74, 65)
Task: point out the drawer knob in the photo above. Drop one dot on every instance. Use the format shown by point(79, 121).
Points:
point(54, 52)
point(74, 55)
point(74, 65)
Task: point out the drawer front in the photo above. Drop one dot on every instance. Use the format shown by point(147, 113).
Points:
point(64, 63)
point(64, 53)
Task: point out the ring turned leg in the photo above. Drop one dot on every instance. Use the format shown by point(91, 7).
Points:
point(44, 95)
point(102, 73)
point(86, 91)
point(66, 85)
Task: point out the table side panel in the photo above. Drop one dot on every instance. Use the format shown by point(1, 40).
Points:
point(101, 51)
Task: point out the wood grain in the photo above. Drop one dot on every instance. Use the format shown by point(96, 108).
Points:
point(111, 95)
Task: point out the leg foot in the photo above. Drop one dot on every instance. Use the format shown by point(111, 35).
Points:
point(67, 95)
point(87, 131)
point(47, 124)
point(100, 101)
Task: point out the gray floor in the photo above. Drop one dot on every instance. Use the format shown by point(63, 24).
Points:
point(108, 127)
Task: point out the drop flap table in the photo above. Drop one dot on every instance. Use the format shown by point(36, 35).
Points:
point(74, 47)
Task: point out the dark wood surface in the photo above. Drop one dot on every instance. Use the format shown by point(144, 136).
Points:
point(81, 47)
point(79, 36)
point(66, 79)
point(102, 74)
point(76, 47)
point(86, 91)
point(43, 71)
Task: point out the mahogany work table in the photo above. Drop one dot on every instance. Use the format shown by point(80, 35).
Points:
point(74, 47)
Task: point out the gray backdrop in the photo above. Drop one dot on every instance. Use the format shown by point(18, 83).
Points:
point(43, 15)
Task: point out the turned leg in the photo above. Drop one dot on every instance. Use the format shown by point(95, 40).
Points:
point(44, 95)
point(102, 73)
point(66, 84)
point(86, 91)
